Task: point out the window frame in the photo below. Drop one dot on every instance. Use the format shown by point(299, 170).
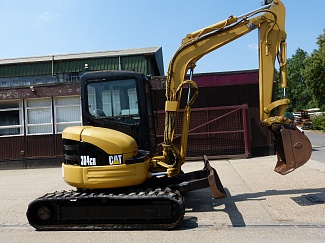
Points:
point(94, 96)
point(21, 126)
point(27, 109)
point(55, 107)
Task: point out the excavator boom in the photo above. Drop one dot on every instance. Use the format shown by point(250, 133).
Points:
point(270, 21)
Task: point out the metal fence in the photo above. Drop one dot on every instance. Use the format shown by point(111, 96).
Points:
point(218, 132)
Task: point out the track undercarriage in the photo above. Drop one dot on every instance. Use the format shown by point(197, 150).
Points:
point(157, 204)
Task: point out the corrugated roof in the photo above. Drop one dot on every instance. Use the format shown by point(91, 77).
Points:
point(114, 53)
point(145, 60)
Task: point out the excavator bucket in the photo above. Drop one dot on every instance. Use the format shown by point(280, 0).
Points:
point(292, 147)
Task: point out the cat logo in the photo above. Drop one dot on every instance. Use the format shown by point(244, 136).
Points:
point(115, 159)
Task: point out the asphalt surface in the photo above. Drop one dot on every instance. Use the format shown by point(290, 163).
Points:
point(261, 206)
point(318, 142)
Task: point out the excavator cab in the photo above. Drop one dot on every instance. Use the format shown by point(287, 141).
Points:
point(120, 100)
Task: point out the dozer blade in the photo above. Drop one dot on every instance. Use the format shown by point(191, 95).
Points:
point(293, 148)
point(191, 181)
point(207, 177)
point(215, 184)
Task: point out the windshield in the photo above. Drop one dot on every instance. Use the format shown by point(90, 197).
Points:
point(113, 99)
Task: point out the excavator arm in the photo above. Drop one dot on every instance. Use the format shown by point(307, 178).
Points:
point(270, 21)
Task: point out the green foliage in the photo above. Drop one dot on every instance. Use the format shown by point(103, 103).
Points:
point(314, 74)
point(306, 78)
point(319, 123)
point(321, 39)
point(298, 91)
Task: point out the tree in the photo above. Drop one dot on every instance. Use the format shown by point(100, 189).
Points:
point(298, 90)
point(314, 72)
point(321, 39)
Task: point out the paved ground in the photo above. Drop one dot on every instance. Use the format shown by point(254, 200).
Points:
point(317, 139)
point(262, 206)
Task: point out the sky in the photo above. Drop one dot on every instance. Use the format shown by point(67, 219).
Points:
point(51, 27)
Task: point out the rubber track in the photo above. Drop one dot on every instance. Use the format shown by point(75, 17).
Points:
point(131, 198)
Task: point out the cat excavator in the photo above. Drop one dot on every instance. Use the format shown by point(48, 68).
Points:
point(121, 181)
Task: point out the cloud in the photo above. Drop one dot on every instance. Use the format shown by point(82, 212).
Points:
point(46, 16)
point(253, 46)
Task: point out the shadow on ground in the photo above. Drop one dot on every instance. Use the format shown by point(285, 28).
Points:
point(201, 201)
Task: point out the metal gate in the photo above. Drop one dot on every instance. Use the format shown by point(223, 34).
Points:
point(218, 132)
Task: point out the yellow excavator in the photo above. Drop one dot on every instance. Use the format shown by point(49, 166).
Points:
point(121, 182)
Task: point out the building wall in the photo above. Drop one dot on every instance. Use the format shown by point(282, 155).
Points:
point(31, 122)
point(228, 89)
point(40, 96)
point(32, 118)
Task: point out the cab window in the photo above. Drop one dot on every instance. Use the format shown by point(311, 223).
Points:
point(113, 99)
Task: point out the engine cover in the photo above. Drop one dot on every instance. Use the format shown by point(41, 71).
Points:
point(96, 157)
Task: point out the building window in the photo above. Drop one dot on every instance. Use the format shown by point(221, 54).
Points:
point(39, 116)
point(11, 118)
point(67, 112)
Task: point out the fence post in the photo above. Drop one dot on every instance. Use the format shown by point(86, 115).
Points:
point(246, 130)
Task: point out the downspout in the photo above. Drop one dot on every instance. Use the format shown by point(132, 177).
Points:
point(52, 65)
point(119, 63)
